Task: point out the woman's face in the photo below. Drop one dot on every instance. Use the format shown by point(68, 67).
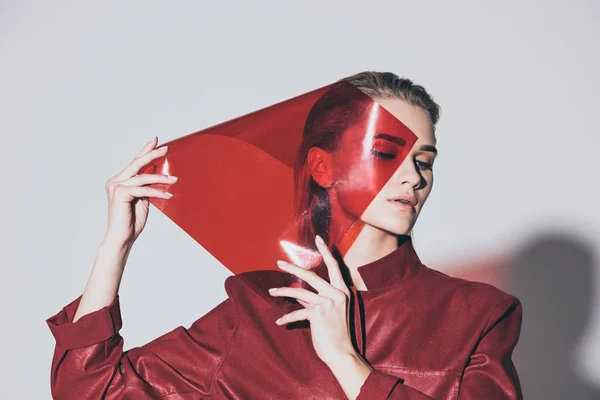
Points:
point(365, 159)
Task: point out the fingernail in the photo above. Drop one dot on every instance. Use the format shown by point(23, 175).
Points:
point(278, 321)
point(169, 194)
point(281, 264)
point(272, 290)
point(172, 178)
point(164, 148)
point(152, 140)
point(320, 240)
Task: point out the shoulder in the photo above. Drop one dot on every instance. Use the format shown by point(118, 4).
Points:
point(251, 289)
point(476, 297)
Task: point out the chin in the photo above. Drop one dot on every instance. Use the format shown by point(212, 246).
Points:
point(399, 232)
point(397, 228)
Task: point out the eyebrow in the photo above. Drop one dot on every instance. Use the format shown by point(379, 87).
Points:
point(429, 147)
point(393, 139)
point(401, 142)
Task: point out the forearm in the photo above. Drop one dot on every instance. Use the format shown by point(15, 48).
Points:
point(103, 284)
point(351, 371)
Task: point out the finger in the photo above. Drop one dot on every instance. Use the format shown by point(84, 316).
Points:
point(303, 303)
point(149, 179)
point(310, 277)
point(297, 293)
point(147, 147)
point(127, 193)
point(134, 167)
point(333, 268)
point(298, 315)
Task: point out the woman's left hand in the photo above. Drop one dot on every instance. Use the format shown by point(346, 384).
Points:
point(327, 311)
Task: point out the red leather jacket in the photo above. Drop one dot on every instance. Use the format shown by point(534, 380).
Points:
point(427, 336)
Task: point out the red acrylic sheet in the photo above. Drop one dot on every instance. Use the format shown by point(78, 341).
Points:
point(252, 191)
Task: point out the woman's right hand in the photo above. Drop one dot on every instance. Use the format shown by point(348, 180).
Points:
point(128, 195)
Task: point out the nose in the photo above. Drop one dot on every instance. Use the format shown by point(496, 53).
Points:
point(408, 172)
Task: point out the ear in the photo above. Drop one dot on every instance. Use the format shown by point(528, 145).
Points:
point(319, 164)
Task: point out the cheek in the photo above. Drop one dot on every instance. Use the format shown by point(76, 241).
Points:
point(354, 187)
point(426, 191)
point(423, 194)
point(359, 183)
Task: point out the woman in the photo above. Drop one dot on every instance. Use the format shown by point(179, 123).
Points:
point(381, 325)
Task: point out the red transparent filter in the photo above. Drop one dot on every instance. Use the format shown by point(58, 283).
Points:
point(258, 188)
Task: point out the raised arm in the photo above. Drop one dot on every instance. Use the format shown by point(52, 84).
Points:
point(89, 361)
point(128, 208)
point(88, 346)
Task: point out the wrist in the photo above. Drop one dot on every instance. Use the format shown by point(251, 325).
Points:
point(351, 372)
point(114, 243)
point(345, 360)
point(117, 251)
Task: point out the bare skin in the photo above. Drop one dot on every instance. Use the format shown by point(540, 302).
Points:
point(128, 208)
point(383, 220)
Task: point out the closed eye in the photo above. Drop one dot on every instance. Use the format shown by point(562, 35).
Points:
point(424, 165)
point(382, 155)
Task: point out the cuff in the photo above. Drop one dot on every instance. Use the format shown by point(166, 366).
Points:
point(378, 386)
point(92, 328)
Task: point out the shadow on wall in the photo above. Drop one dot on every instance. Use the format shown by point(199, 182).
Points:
point(553, 276)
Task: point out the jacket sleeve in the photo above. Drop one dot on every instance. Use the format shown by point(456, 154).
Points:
point(89, 361)
point(490, 373)
point(380, 385)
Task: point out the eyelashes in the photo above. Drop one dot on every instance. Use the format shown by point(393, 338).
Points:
point(424, 165)
point(390, 156)
point(382, 155)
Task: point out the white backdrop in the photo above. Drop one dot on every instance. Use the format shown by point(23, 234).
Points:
point(83, 85)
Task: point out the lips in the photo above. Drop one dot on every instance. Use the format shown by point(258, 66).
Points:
point(405, 202)
point(403, 205)
point(407, 199)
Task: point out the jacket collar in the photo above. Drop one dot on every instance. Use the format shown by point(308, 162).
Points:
point(396, 266)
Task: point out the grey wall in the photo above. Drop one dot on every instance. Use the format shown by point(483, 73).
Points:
point(83, 85)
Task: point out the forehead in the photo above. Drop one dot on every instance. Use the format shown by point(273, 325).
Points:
point(414, 117)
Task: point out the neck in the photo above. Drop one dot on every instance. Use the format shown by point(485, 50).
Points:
point(370, 245)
